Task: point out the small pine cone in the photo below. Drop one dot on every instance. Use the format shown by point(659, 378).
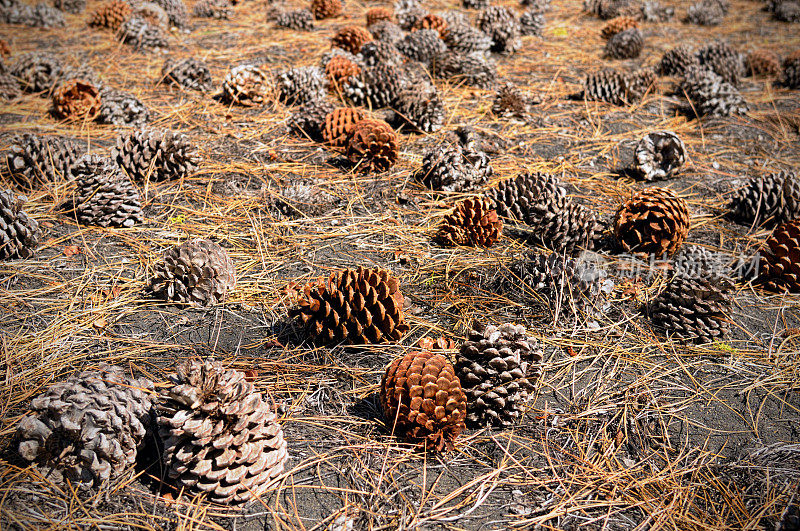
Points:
point(189, 73)
point(19, 234)
point(464, 39)
point(355, 306)
point(638, 82)
point(424, 46)
point(111, 15)
point(326, 8)
point(351, 38)
point(654, 221)
point(89, 427)
point(609, 9)
point(339, 124)
point(151, 13)
point(376, 53)
point(141, 34)
point(723, 60)
point(221, 437)
point(76, 100)
point(710, 95)
point(498, 367)
point(659, 155)
point(553, 219)
point(338, 70)
point(422, 400)
point(377, 86)
point(309, 119)
point(372, 145)
point(301, 85)
point(105, 197)
point(626, 44)
point(432, 22)
point(677, 61)
point(779, 266)
point(176, 11)
point(35, 161)
point(693, 308)
point(540, 6)
point(790, 77)
point(304, 199)
point(9, 87)
point(532, 22)
point(511, 102)
point(762, 63)
point(43, 15)
point(298, 19)
point(379, 13)
point(217, 9)
point(245, 85)
point(705, 13)
point(386, 31)
point(617, 25)
point(157, 155)
point(197, 272)
point(452, 169)
point(472, 222)
point(73, 7)
point(121, 108)
point(473, 70)
point(502, 26)
point(762, 201)
point(338, 52)
point(791, 195)
point(37, 71)
point(421, 109)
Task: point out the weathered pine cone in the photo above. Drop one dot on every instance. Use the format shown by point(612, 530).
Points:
point(502, 26)
point(779, 259)
point(723, 60)
point(420, 108)
point(299, 198)
point(408, 12)
point(338, 125)
point(9, 87)
point(693, 308)
point(19, 234)
point(221, 437)
point(155, 155)
point(654, 221)
point(766, 200)
point(705, 13)
point(111, 15)
point(379, 13)
point(355, 306)
point(76, 100)
point(338, 70)
point(473, 222)
point(377, 86)
point(89, 427)
point(432, 22)
point(141, 34)
point(659, 155)
point(309, 119)
point(121, 108)
point(511, 102)
point(762, 63)
point(326, 8)
point(297, 19)
point(617, 25)
point(474, 70)
point(35, 161)
point(607, 85)
point(105, 196)
point(699, 262)
point(372, 145)
point(301, 85)
point(422, 400)
point(424, 46)
point(465, 39)
point(626, 44)
point(710, 95)
point(790, 77)
point(677, 61)
point(217, 9)
point(245, 85)
point(37, 71)
point(189, 73)
point(453, 169)
point(498, 366)
point(532, 22)
point(176, 11)
point(70, 6)
point(386, 31)
point(351, 38)
point(197, 272)
point(150, 12)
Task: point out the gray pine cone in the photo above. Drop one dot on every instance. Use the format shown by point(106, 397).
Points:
point(89, 427)
point(465, 39)
point(386, 31)
point(140, 34)
point(693, 308)
point(157, 155)
point(121, 108)
point(502, 26)
point(790, 77)
point(498, 367)
point(301, 85)
point(217, 9)
point(450, 168)
point(377, 86)
point(304, 199)
point(705, 13)
point(42, 15)
point(721, 58)
point(176, 11)
point(511, 102)
point(19, 234)
point(245, 84)
point(309, 119)
point(710, 95)
point(197, 272)
point(424, 46)
point(676, 61)
point(70, 6)
point(659, 155)
point(653, 11)
point(421, 109)
point(787, 11)
point(374, 53)
point(104, 196)
point(189, 73)
point(766, 200)
point(34, 161)
point(532, 21)
point(626, 44)
point(474, 70)
point(298, 19)
point(37, 71)
point(9, 87)
point(408, 12)
point(699, 262)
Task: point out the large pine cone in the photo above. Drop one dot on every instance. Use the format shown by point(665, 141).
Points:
point(189, 73)
point(607, 85)
point(553, 219)
point(351, 38)
point(155, 155)
point(104, 195)
point(372, 145)
point(723, 60)
point(453, 169)
point(677, 61)
point(762, 63)
point(19, 234)
point(654, 221)
point(766, 200)
point(424, 46)
point(472, 222)
point(710, 95)
point(76, 100)
point(37, 71)
point(779, 259)
point(89, 427)
point(338, 125)
point(497, 368)
point(532, 22)
point(121, 108)
point(474, 70)
point(111, 15)
point(617, 25)
point(301, 85)
point(693, 308)
point(35, 161)
point(659, 155)
point(197, 272)
point(326, 8)
point(502, 26)
point(140, 33)
point(626, 44)
point(377, 86)
point(309, 119)
point(245, 85)
point(355, 306)
point(380, 52)
point(422, 400)
point(221, 437)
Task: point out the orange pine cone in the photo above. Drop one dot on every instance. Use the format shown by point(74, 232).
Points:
point(617, 25)
point(372, 145)
point(76, 100)
point(654, 221)
point(326, 8)
point(351, 38)
point(376, 14)
point(338, 70)
point(434, 22)
point(473, 221)
point(339, 124)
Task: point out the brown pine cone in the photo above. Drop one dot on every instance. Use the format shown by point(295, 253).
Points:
point(376, 14)
point(245, 85)
point(19, 233)
point(617, 25)
point(351, 38)
point(433, 22)
point(372, 145)
point(111, 15)
point(339, 124)
point(779, 259)
point(693, 308)
point(338, 70)
point(762, 63)
point(422, 400)
point(654, 221)
point(76, 100)
point(5, 51)
point(473, 221)
point(326, 8)
point(355, 306)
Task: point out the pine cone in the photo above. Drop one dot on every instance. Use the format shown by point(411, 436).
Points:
point(762, 202)
point(308, 199)
point(89, 427)
point(710, 95)
point(37, 71)
point(351, 38)
point(498, 367)
point(40, 15)
point(372, 145)
point(617, 25)
point(424, 46)
point(677, 61)
point(723, 60)
point(355, 306)
point(377, 86)
point(189, 73)
point(197, 272)
point(659, 155)
point(326, 8)
point(653, 11)
point(698, 262)
point(787, 11)
point(432, 22)
point(76, 100)
point(553, 219)
point(298, 19)
point(452, 169)
point(176, 11)
point(609, 9)
point(473, 222)
point(157, 155)
point(779, 259)
point(301, 85)
point(376, 53)
point(338, 70)
point(421, 109)
point(408, 12)
point(626, 44)
point(221, 437)
point(502, 26)
point(309, 119)
point(105, 196)
point(35, 162)
point(473, 70)
point(70, 6)
point(791, 71)
point(540, 6)
point(19, 234)
point(9, 87)
point(638, 82)
point(151, 13)
point(422, 400)
point(379, 13)
point(532, 22)
point(762, 63)
point(111, 15)
point(705, 13)
point(464, 39)
point(338, 125)
point(141, 34)
point(654, 221)
point(511, 102)
point(606, 85)
point(245, 84)
point(475, 4)
point(121, 108)
point(693, 308)
point(217, 9)
point(386, 31)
